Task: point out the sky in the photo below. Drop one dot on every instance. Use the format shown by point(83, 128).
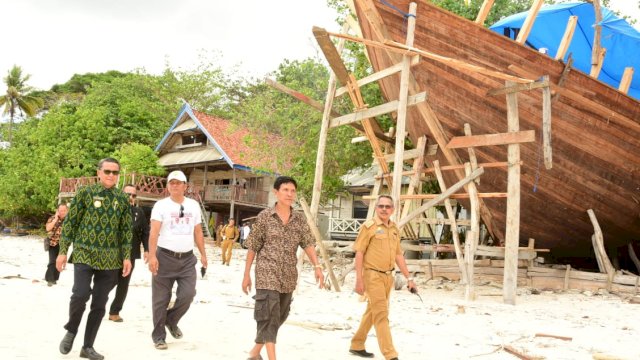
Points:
point(54, 39)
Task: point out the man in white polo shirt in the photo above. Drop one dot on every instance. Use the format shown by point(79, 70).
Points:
point(175, 225)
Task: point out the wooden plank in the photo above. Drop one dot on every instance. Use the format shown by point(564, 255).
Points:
point(454, 226)
point(508, 138)
point(472, 152)
point(595, 69)
point(596, 64)
point(385, 108)
point(528, 22)
point(600, 249)
point(512, 231)
point(442, 221)
point(456, 167)
point(415, 60)
point(457, 186)
point(331, 54)
point(546, 126)
point(411, 154)
point(311, 221)
point(496, 195)
point(473, 235)
point(484, 11)
point(454, 63)
point(499, 252)
point(567, 37)
point(567, 276)
point(625, 82)
point(519, 87)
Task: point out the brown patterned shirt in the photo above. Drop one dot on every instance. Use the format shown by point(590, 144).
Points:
point(275, 245)
point(54, 234)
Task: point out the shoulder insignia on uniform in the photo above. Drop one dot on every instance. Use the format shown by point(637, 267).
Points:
point(369, 223)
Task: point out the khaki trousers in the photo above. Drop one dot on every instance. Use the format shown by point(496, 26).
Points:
point(227, 248)
point(378, 290)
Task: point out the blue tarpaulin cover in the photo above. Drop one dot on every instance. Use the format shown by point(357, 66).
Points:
point(620, 39)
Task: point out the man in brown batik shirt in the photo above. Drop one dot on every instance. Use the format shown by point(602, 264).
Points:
point(274, 240)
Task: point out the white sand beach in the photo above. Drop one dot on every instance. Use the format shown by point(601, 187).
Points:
point(220, 325)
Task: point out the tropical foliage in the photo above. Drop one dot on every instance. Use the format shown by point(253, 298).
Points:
point(18, 99)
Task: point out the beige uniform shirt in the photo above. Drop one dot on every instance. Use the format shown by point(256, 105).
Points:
point(379, 243)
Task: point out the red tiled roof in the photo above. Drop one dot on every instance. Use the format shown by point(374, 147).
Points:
point(235, 141)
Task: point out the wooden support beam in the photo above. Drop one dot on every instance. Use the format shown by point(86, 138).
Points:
point(625, 82)
point(528, 22)
point(457, 167)
point(492, 195)
point(385, 108)
point(454, 227)
point(414, 183)
point(473, 235)
point(454, 63)
point(596, 52)
point(360, 139)
point(567, 276)
point(401, 120)
point(415, 60)
point(599, 248)
point(563, 77)
point(323, 251)
point(413, 154)
point(472, 152)
point(595, 69)
point(519, 87)
point(546, 125)
point(512, 232)
point(524, 253)
point(567, 37)
point(433, 202)
point(484, 11)
point(508, 138)
point(634, 257)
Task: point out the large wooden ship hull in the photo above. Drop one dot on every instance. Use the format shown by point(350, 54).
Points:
point(595, 128)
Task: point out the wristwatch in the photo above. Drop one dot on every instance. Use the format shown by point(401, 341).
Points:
point(317, 266)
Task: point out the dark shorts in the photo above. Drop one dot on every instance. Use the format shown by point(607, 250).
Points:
point(270, 312)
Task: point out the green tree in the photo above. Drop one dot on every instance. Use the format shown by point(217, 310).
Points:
point(18, 99)
point(139, 159)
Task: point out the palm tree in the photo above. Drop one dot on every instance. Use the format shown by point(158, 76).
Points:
point(18, 98)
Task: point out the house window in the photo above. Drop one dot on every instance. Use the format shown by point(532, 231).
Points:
point(194, 139)
point(255, 183)
point(360, 209)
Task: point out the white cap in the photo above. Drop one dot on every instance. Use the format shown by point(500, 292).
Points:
point(177, 175)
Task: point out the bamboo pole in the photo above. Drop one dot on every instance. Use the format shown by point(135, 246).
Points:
point(512, 231)
point(454, 226)
point(401, 121)
point(323, 251)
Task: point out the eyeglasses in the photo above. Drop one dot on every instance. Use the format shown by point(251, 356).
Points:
point(381, 206)
point(181, 211)
point(132, 195)
point(109, 172)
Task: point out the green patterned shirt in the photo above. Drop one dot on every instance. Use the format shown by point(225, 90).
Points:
point(99, 227)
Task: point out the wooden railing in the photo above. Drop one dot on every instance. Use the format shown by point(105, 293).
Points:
point(345, 227)
point(236, 192)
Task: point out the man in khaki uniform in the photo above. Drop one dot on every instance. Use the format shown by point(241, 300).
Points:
point(230, 234)
point(377, 252)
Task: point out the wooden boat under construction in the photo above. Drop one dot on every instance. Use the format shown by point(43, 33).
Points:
point(595, 128)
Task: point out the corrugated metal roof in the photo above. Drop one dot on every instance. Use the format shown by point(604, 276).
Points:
point(190, 157)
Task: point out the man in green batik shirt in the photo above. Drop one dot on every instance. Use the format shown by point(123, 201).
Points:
point(99, 227)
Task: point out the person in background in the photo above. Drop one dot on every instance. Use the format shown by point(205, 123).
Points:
point(176, 223)
point(276, 235)
point(54, 228)
point(245, 233)
point(99, 227)
point(140, 227)
point(377, 252)
point(230, 235)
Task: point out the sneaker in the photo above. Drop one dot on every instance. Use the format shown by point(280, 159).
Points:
point(362, 353)
point(67, 342)
point(161, 345)
point(90, 353)
point(174, 330)
point(115, 318)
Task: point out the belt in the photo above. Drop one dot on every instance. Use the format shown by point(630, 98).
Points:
point(175, 254)
point(388, 272)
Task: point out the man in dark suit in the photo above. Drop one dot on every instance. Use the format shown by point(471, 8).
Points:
point(140, 228)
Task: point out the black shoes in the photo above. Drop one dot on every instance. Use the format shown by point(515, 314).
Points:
point(161, 345)
point(67, 342)
point(362, 353)
point(90, 353)
point(174, 330)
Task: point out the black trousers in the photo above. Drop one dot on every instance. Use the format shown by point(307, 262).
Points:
point(170, 271)
point(121, 291)
point(52, 273)
point(103, 282)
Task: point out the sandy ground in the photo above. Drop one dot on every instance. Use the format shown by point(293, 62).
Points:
point(219, 324)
